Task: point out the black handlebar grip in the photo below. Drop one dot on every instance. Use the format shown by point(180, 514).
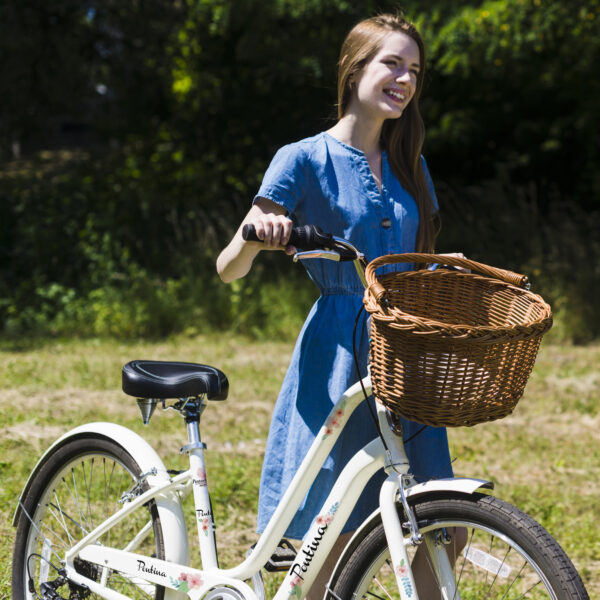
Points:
point(249, 234)
point(307, 237)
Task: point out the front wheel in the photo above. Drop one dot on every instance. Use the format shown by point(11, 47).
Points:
point(78, 487)
point(502, 553)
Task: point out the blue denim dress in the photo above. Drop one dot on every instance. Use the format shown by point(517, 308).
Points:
point(324, 182)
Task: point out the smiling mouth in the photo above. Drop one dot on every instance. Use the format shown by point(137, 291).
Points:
point(396, 95)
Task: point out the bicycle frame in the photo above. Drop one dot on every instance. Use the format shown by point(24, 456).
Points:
point(175, 574)
point(316, 544)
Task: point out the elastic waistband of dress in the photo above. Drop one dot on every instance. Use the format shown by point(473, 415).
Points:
point(343, 292)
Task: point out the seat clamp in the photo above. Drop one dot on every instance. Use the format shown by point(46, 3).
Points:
point(192, 446)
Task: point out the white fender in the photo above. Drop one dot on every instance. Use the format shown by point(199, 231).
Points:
point(168, 504)
point(461, 485)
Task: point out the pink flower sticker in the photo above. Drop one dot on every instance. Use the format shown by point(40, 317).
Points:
point(205, 525)
point(195, 581)
point(334, 420)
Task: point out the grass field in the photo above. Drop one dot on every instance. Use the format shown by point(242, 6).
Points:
point(545, 458)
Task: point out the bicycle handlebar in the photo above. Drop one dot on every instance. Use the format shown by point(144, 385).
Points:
point(313, 243)
point(308, 237)
point(311, 237)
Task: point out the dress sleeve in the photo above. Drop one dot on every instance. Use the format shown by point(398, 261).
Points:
point(285, 180)
point(430, 185)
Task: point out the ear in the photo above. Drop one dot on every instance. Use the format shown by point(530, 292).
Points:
point(352, 79)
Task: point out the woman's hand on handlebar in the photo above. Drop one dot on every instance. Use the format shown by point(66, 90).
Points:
point(273, 227)
point(274, 232)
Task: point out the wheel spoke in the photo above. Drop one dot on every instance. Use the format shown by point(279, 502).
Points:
point(382, 589)
point(462, 565)
point(53, 508)
point(372, 595)
point(88, 485)
point(76, 495)
point(57, 539)
point(60, 521)
point(500, 567)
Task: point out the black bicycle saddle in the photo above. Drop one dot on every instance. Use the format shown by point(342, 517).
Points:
point(162, 379)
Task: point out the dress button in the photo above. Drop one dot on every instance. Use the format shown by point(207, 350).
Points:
point(386, 223)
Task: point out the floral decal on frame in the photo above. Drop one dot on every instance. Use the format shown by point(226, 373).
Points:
point(333, 422)
point(402, 575)
point(186, 582)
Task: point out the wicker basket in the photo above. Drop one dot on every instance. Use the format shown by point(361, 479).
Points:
point(450, 348)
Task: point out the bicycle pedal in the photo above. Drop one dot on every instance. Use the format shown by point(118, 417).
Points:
point(282, 558)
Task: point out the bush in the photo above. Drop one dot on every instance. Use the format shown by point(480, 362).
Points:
point(146, 306)
point(553, 242)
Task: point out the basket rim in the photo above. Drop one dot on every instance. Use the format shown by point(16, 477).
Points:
point(399, 319)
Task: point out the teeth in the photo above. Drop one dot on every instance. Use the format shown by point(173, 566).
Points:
point(396, 95)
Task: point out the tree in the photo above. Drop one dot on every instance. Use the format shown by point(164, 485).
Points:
point(169, 112)
point(514, 95)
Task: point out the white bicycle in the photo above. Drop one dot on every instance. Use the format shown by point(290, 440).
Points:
point(101, 515)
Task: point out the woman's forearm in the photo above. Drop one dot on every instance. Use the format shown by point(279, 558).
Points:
point(271, 226)
point(236, 259)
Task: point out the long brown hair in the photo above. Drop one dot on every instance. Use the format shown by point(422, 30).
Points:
point(401, 138)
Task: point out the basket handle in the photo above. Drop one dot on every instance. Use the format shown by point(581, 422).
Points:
point(454, 261)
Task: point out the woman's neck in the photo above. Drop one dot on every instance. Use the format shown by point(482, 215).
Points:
point(357, 133)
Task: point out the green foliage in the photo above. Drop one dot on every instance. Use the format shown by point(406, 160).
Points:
point(559, 251)
point(141, 153)
point(149, 307)
point(513, 95)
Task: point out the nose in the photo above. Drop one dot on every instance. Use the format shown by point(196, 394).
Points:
point(403, 76)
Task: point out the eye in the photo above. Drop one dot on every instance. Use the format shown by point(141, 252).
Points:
point(415, 72)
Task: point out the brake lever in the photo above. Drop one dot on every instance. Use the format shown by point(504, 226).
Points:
point(327, 254)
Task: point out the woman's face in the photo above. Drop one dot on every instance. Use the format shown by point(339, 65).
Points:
point(386, 84)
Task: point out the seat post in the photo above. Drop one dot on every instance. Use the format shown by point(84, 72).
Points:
point(192, 411)
point(204, 516)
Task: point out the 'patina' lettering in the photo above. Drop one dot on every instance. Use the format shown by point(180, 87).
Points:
point(151, 570)
point(298, 568)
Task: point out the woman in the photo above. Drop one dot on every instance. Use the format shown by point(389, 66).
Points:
point(364, 180)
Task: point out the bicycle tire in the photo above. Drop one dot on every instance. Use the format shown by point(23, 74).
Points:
point(77, 487)
point(507, 555)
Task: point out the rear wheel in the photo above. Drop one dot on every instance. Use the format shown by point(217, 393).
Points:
point(507, 555)
point(77, 488)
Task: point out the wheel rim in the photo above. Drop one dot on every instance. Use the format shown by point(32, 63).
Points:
point(85, 492)
point(490, 566)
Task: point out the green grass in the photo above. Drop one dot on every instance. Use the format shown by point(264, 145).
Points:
point(544, 458)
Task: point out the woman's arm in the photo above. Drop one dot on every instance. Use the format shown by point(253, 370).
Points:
point(272, 226)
